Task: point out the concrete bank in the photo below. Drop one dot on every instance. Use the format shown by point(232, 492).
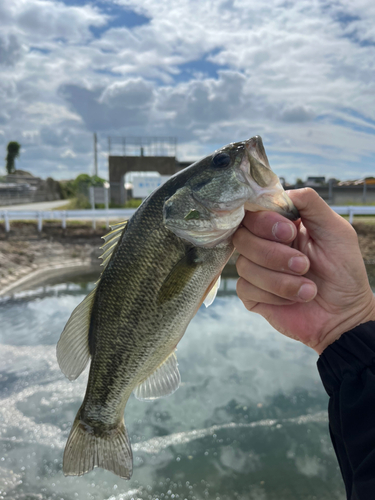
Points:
point(28, 259)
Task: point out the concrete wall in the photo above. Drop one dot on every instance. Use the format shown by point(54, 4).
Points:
point(120, 165)
point(347, 195)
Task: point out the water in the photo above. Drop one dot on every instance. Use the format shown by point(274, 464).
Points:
point(249, 421)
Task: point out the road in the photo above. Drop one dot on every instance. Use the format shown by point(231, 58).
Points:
point(44, 205)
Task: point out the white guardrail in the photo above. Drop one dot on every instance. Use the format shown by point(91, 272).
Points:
point(64, 216)
point(123, 213)
point(353, 210)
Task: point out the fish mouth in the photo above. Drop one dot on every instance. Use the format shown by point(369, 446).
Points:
point(267, 192)
point(255, 149)
point(282, 204)
point(292, 215)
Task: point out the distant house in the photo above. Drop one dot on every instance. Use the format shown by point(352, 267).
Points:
point(23, 177)
point(315, 181)
point(358, 182)
point(23, 187)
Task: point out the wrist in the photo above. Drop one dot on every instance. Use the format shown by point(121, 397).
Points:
point(356, 317)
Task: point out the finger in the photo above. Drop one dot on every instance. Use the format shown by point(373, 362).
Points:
point(270, 254)
point(287, 286)
point(252, 296)
point(270, 225)
point(318, 218)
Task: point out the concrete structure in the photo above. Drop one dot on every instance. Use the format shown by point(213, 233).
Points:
point(346, 195)
point(121, 165)
point(315, 181)
point(23, 177)
point(23, 187)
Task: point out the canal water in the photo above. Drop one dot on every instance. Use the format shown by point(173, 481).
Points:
point(249, 421)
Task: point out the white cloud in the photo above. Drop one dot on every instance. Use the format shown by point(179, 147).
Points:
point(46, 113)
point(68, 153)
point(298, 73)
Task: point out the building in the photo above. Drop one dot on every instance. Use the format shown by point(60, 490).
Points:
point(23, 187)
point(156, 154)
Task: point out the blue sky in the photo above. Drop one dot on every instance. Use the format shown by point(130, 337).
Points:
point(300, 73)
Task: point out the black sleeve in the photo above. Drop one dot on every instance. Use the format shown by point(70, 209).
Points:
point(347, 370)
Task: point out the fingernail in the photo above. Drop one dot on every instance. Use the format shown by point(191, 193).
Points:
point(283, 231)
point(298, 264)
point(307, 292)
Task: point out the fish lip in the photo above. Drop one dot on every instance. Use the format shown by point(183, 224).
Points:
point(292, 214)
point(254, 147)
point(272, 196)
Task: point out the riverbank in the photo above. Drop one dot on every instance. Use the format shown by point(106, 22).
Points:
point(27, 257)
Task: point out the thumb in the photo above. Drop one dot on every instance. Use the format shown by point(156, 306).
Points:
point(318, 217)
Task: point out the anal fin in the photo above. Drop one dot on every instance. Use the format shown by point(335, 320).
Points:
point(164, 381)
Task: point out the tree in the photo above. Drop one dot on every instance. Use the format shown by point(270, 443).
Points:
point(13, 149)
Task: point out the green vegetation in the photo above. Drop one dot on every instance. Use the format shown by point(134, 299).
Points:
point(80, 186)
point(13, 152)
point(80, 202)
point(133, 203)
point(76, 192)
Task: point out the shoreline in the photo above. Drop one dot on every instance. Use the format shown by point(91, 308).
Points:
point(28, 259)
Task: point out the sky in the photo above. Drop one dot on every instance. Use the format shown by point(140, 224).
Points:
point(301, 74)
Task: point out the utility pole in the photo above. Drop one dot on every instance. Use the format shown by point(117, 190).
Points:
point(95, 154)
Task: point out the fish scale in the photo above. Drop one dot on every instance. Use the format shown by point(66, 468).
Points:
point(156, 275)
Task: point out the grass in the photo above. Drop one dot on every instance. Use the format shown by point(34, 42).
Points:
point(82, 203)
point(364, 219)
point(354, 204)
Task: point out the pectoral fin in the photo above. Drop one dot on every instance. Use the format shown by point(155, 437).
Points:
point(212, 293)
point(179, 276)
point(164, 381)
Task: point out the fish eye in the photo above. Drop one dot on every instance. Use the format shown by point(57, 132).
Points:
point(221, 160)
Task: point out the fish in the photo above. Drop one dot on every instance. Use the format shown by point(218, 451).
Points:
point(159, 267)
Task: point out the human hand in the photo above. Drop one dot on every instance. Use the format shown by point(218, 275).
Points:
point(307, 279)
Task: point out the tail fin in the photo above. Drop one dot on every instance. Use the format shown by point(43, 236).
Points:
point(85, 450)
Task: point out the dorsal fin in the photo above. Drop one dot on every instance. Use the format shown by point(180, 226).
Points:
point(72, 350)
point(111, 240)
point(164, 381)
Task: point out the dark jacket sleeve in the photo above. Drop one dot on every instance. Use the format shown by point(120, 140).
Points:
point(347, 370)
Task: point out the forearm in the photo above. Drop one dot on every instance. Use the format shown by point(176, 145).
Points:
point(347, 370)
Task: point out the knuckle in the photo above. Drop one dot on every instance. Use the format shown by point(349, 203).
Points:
point(351, 231)
point(310, 193)
point(286, 287)
point(240, 288)
point(348, 231)
point(260, 221)
point(269, 256)
point(240, 238)
point(249, 304)
point(242, 265)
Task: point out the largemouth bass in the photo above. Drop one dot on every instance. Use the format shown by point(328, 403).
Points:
point(159, 268)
